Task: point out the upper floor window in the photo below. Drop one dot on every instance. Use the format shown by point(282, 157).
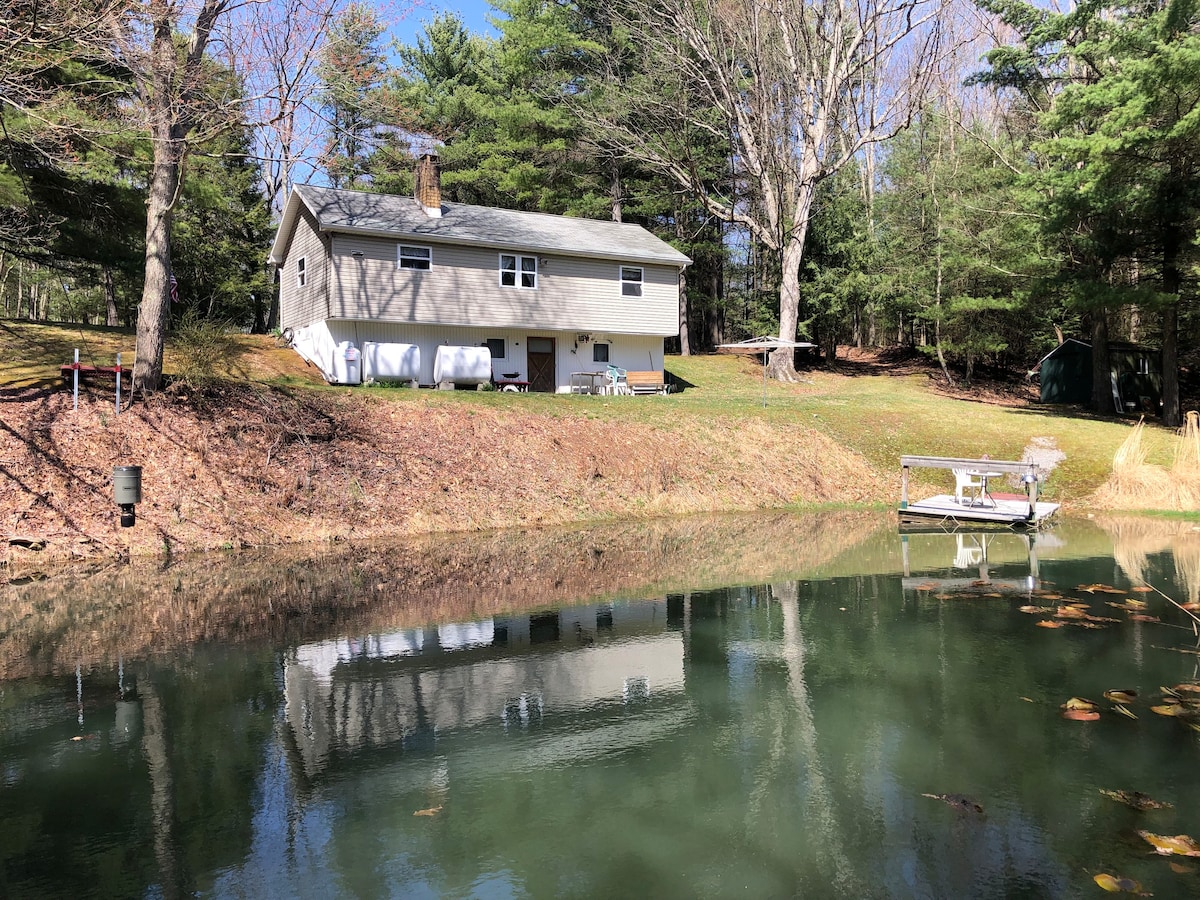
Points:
point(632, 278)
point(302, 271)
point(518, 271)
point(412, 257)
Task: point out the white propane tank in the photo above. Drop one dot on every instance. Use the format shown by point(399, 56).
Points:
point(462, 365)
point(347, 368)
point(391, 362)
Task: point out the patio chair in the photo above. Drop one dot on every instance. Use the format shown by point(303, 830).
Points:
point(614, 381)
point(967, 557)
point(967, 482)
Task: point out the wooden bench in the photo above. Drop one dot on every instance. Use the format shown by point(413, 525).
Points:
point(113, 372)
point(645, 382)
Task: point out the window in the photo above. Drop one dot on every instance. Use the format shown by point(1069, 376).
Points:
point(415, 257)
point(301, 271)
point(631, 281)
point(496, 347)
point(600, 353)
point(1143, 365)
point(518, 270)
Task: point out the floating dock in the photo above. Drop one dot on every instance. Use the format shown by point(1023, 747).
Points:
point(987, 506)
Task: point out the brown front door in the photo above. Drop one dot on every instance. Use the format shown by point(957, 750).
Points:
point(540, 351)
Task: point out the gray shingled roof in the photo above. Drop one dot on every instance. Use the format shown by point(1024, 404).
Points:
point(357, 212)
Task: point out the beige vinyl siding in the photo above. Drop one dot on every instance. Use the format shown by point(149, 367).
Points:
point(463, 289)
point(300, 306)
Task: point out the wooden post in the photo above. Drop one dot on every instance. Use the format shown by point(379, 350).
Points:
point(904, 487)
point(75, 383)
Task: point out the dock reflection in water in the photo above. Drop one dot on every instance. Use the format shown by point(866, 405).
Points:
point(755, 707)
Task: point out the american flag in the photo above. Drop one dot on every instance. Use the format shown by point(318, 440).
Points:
point(174, 289)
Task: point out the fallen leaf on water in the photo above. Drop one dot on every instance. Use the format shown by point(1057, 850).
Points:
point(1120, 883)
point(928, 586)
point(1168, 710)
point(1035, 609)
point(1180, 844)
point(1069, 612)
point(78, 737)
point(1127, 695)
point(1079, 703)
point(1128, 605)
point(1125, 711)
point(1029, 700)
point(1142, 589)
point(1182, 868)
point(1190, 607)
point(994, 595)
point(961, 802)
point(1047, 623)
point(1143, 618)
point(1136, 799)
point(1187, 687)
point(1081, 715)
point(432, 811)
point(943, 596)
point(1169, 692)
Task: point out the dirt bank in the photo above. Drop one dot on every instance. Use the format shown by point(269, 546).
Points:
point(250, 465)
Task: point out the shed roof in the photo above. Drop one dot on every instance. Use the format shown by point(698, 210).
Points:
point(392, 216)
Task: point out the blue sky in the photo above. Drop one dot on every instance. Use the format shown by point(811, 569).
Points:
point(474, 14)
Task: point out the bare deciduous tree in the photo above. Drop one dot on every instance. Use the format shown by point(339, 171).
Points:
point(799, 89)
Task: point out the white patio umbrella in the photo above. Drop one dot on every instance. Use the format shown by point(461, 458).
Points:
point(765, 345)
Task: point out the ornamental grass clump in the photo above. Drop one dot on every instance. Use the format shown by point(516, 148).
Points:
point(1137, 484)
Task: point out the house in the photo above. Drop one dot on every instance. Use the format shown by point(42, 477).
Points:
point(398, 280)
point(1065, 375)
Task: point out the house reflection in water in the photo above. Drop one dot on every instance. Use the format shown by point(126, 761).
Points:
point(408, 689)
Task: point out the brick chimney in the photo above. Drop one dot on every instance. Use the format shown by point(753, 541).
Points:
point(428, 183)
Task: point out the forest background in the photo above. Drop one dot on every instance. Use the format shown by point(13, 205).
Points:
point(978, 182)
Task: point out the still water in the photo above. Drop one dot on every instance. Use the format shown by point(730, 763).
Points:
point(753, 707)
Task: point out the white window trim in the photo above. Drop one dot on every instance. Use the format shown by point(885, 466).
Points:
point(302, 272)
point(518, 271)
point(641, 282)
point(400, 257)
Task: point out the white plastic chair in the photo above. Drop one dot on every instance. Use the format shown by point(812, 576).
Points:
point(965, 481)
point(614, 381)
point(967, 557)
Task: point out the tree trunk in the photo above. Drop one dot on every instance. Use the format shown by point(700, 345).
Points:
point(155, 306)
point(783, 361)
point(1171, 284)
point(1102, 399)
point(110, 300)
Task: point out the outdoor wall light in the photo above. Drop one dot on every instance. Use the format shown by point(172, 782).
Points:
point(127, 491)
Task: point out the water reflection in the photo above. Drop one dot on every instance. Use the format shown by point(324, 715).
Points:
point(409, 688)
point(757, 717)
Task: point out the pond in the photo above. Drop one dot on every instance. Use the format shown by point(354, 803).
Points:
point(754, 706)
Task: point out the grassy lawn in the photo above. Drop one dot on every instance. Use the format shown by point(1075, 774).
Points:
point(879, 416)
